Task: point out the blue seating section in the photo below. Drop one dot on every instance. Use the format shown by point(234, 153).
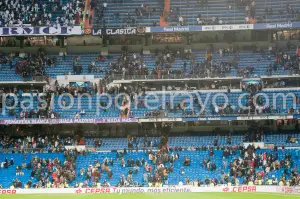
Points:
point(194, 171)
point(18, 108)
point(281, 139)
point(113, 111)
point(236, 15)
point(259, 62)
point(8, 175)
point(8, 74)
point(127, 9)
point(64, 67)
point(108, 144)
point(190, 10)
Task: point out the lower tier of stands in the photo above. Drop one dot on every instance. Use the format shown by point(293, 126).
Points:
point(232, 165)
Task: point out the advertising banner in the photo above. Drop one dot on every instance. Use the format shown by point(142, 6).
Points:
point(69, 121)
point(159, 119)
point(77, 147)
point(28, 31)
point(194, 119)
point(75, 77)
point(154, 119)
point(228, 27)
point(167, 189)
point(173, 29)
point(116, 31)
point(255, 144)
point(289, 190)
point(286, 25)
point(266, 117)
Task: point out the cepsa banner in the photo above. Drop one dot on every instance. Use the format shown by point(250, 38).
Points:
point(240, 189)
point(167, 189)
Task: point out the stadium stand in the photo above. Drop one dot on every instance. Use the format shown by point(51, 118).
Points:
point(170, 104)
point(41, 13)
point(232, 12)
point(167, 65)
point(182, 164)
point(154, 137)
point(135, 14)
point(172, 107)
point(117, 14)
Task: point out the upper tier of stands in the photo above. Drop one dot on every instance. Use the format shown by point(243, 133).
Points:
point(143, 13)
point(123, 13)
point(127, 13)
point(234, 12)
point(41, 13)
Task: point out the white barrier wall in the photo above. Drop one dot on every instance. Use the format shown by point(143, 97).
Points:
point(174, 189)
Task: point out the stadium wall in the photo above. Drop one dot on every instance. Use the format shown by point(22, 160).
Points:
point(171, 189)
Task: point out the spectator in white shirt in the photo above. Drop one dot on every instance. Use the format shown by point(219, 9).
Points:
point(180, 19)
point(213, 19)
point(199, 22)
point(247, 19)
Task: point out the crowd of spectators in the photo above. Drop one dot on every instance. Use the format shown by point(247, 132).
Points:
point(249, 166)
point(96, 66)
point(53, 173)
point(38, 13)
point(99, 12)
point(284, 60)
point(75, 89)
point(209, 67)
point(128, 19)
point(254, 167)
point(93, 173)
point(133, 142)
point(38, 108)
point(31, 64)
point(51, 144)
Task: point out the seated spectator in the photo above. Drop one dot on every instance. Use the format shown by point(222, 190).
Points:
point(187, 161)
point(82, 112)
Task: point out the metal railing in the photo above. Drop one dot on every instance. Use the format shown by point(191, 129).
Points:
point(28, 150)
point(39, 78)
point(119, 76)
point(166, 115)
